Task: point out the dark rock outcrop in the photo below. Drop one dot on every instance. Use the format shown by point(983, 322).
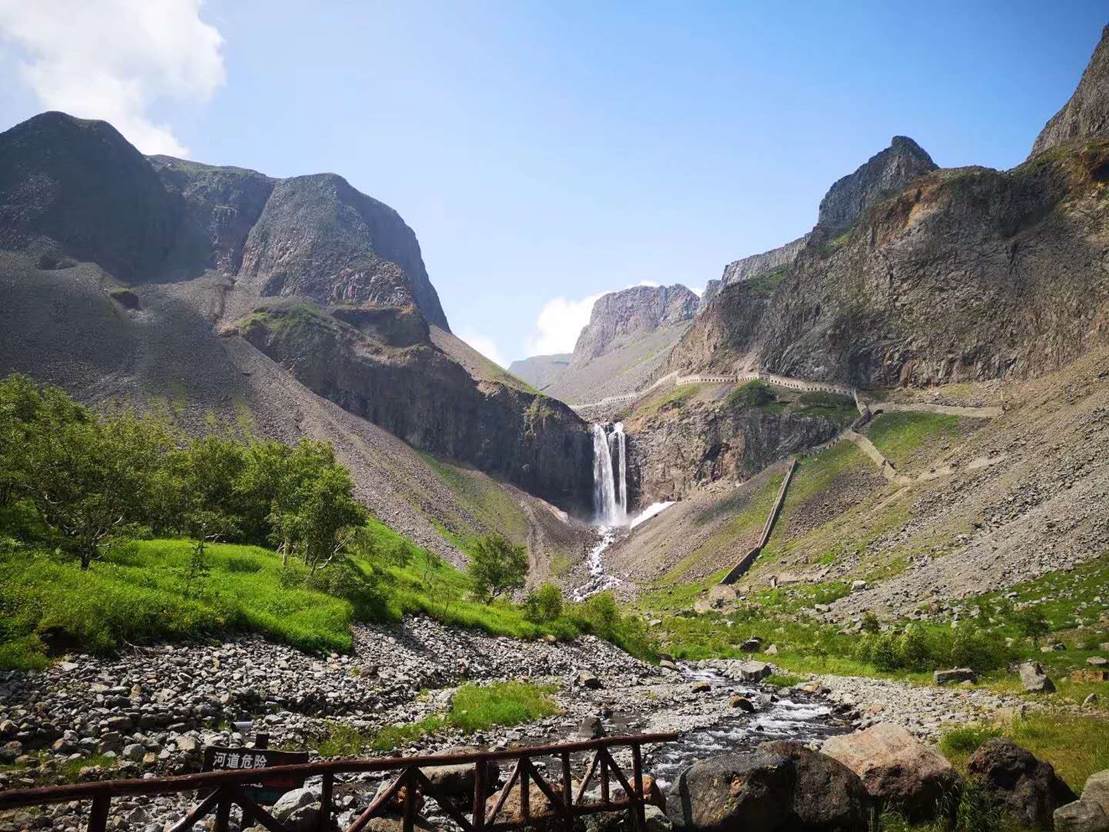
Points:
point(1086, 114)
point(431, 402)
point(221, 205)
point(883, 174)
point(1019, 784)
point(319, 238)
point(629, 312)
point(779, 786)
point(76, 189)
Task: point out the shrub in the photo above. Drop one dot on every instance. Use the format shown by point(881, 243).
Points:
point(974, 647)
point(754, 393)
point(543, 605)
point(497, 565)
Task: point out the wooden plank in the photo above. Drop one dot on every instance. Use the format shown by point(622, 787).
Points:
point(199, 811)
point(98, 814)
point(323, 820)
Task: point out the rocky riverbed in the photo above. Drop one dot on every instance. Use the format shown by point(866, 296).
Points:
point(151, 710)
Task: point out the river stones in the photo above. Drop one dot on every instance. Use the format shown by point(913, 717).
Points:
point(896, 768)
point(1018, 783)
point(1034, 679)
point(778, 786)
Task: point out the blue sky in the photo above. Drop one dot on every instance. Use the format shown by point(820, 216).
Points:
point(551, 151)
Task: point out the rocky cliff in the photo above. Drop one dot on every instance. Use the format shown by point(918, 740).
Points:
point(629, 335)
point(710, 435)
point(883, 174)
point(756, 264)
point(146, 259)
point(1086, 114)
point(431, 402)
point(961, 274)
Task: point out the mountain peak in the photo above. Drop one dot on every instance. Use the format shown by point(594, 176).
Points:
point(1087, 112)
point(885, 172)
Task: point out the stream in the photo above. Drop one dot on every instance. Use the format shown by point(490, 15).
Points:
point(797, 717)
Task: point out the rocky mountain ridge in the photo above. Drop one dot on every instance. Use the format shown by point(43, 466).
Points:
point(120, 274)
point(1086, 113)
point(629, 334)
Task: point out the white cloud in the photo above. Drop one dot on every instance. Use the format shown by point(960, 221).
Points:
point(559, 324)
point(113, 59)
point(485, 345)
point(561, 321)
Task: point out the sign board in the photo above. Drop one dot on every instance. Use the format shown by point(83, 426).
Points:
point(268, 789)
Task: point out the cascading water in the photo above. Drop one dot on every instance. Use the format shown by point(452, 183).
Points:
point(610, 497)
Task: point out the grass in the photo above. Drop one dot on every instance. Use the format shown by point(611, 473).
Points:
point(672, 399)
point(141, 593)
point(473, 708)
point(900, 434)
point(1076, 745)
point(783, 680)
point(490, 504)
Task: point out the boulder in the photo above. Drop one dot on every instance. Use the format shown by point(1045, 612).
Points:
point(743, 703)
point(778, 786)
point(590, 728)
point(751, 645)
point(700, 687)
point(1097, 789)
point(1017, 783)
point(953, 676)
point(1081, 816)
point(1097, 661)
point(458, 781)
point(1034, 679)
point(539, 806)
point(896, 768)
point(588, 680)
point(752, 672)
point(299, 810)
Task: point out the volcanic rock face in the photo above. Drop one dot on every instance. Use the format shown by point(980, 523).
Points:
point(757, 264)
point(629, 335)
point(118, 270)
point(964, 274)
point(320, 238)
point(670, 457)
point(418, 394)
point(883, 174)
point(1086, 114)
point(629, 312)
point(71, 188)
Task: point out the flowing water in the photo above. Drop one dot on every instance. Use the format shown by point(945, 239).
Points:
point(792, 717)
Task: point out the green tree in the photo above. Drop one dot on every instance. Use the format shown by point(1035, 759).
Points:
point(1033, 624)
point(497, 566)
point(318, 518)
point(543, 605)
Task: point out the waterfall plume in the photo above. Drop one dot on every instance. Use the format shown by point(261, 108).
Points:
point(610, 485)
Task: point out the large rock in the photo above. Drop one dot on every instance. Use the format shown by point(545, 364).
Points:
point(777, 787)
point(1034, 679)
point(1097, 789)
point(458, 781)
point(956, 674)
point(539, 806)
point(896, 768)
point(752, 672)
point(1019, 784)
point(1081, 816)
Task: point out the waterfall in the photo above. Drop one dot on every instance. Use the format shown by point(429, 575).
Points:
point(622, 490)
point(610, 498)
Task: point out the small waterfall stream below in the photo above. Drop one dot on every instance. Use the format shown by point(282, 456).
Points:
point(794, 716)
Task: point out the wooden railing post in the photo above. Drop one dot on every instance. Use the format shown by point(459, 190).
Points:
point(525, 796)
point(480, 787)
point(323, 820)
point(98, 814)
point(639, 813)
point(409, 800)
point(568, 789)
point(604, 777)
point(223, 810)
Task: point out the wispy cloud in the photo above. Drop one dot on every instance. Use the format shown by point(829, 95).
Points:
point(485, 345)
point(114, 59)
point(561, 321)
